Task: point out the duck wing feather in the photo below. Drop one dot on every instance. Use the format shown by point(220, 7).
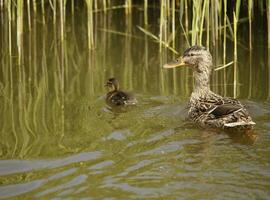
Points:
point(224, 109)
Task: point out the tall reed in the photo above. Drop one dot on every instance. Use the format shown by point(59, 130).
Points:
point(19, 28)
point(173, 23)
point(235, 55)
point(268, 20)
point(163, 23)
point(29, 14)
point(146, 12)
point(90, 23)
point(128, 5)
point(225, 44)
point(62, 19)
point(250, 14)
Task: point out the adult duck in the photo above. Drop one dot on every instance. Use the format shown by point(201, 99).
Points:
point(205, 107)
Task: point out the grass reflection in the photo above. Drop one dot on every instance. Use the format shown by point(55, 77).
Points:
point(46, 67)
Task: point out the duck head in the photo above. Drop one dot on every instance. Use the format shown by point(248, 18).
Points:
point(112, 84)
point(200, 60)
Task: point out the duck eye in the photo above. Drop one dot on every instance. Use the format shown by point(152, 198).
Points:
point(191, 54)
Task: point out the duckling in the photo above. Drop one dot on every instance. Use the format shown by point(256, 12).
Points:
point(205, 107)
point(116, 97)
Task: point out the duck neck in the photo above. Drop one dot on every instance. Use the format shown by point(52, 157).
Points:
point(115, 88)
point(202, 76)
point(112, 90)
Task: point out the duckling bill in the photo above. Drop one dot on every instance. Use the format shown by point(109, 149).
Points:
point(116, 97)
point(205, 107)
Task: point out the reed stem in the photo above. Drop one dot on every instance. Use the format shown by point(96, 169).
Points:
point(268, 20)
point(235, 55)
point(128, 5)
point(145, 12)
point(250, 10)
point(173, 23)
point(90, 24)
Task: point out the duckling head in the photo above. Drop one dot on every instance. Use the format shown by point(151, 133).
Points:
point(112, 84)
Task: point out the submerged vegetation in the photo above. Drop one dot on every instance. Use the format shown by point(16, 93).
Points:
point(45, 43)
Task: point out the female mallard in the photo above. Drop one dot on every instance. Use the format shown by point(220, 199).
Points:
point(115, 97)
point(205, 107)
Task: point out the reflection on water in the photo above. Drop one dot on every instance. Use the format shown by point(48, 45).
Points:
point(59, 140)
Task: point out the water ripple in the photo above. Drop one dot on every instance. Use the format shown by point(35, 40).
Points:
point(19, 166)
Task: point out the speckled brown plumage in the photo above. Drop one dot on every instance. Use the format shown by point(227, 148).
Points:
point(205, 107)
point(116, 97)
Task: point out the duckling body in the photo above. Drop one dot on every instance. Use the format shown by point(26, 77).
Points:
point(205, 107)
point(116, 97)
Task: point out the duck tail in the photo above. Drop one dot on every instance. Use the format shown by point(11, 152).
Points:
point(245, 125)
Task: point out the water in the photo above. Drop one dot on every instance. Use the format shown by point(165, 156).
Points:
point(60, 141)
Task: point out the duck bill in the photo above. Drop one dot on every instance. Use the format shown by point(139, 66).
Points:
point(175, 63)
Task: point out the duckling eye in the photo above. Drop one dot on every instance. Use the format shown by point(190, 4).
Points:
point(192, 54)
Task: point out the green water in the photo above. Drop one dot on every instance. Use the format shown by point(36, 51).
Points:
point(59, 140)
